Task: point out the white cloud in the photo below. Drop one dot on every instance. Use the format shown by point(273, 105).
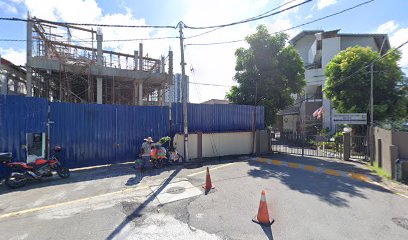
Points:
point(396, 39)
point(17, 57)
point(387, 27)
point(8, 8)
point(309, 16)
point(215, 64)
point(212, 64)
point(325, 3)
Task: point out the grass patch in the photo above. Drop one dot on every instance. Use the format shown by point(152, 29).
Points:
point(375, 168)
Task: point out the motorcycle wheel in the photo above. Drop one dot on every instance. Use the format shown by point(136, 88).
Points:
point(63, 172)
point(157, 163)
point(180, 158)
point(16, 180)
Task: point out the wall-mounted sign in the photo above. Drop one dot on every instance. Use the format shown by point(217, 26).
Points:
point(350, 118)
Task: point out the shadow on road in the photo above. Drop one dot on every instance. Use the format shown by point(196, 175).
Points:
point(268, 232)
point(331, 163)
point(89, 175)
point(328, 188)
point(137, 212)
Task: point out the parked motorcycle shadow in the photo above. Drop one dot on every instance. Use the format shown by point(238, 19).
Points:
point(79, 175)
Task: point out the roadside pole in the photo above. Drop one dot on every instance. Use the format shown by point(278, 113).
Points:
point(170, 96)
point(304, 124)
point(184, 92)
point(254, 123)
point(371, 141)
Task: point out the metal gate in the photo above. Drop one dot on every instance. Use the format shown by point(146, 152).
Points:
point(359, 148)
point(307, 145)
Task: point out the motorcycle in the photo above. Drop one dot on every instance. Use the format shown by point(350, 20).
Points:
point(161, 155)
point(21, 172)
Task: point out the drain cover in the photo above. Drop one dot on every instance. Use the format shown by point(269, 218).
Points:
point(176, 190)
point(402, 222)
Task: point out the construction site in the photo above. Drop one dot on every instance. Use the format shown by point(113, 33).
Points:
point(62, 68)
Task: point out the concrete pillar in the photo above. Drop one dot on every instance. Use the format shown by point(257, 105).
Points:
point(346, 146)
point(258, 142)
point(99, 63)
point(136, 56)
point(16, 86)
point(3, 80)
point(136, 93)
point(393, 158)
point(162, 65)
point(379, 152)
point(140, 56)
point(140, 95)
point(159, 96)
point(199, 145)
point(29, 71)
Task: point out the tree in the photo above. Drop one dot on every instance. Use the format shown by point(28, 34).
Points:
point(277, 68)
point(350, 90)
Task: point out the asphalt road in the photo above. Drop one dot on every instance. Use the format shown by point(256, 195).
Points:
point(114, 203)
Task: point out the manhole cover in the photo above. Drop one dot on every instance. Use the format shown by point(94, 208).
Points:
point(402, 222)
point(176, 190)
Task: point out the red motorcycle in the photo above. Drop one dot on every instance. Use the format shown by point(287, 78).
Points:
point(21, 172)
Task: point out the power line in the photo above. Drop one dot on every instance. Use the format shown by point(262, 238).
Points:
point(212, 30)
point(297, 26)
point(211, 84)
point(86, 41)
point(249, 19)
point(84, 24)
point(215, 43)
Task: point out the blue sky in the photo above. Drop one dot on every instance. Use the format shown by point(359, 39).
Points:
point(211, 64)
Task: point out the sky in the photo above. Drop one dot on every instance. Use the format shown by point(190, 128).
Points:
point(213, 64)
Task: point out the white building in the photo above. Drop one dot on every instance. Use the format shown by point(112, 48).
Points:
point(317, 48)
point(177, 92)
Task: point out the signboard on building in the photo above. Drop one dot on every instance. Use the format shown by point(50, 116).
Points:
point(350, 118)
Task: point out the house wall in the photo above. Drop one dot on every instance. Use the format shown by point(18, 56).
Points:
point(330, 46)
point(303, 46)
point(361, 41)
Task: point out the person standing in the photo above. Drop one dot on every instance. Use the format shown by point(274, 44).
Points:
point(146, 149)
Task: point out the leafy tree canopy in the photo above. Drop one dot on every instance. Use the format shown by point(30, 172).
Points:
point(277, 68)
point(350, 90)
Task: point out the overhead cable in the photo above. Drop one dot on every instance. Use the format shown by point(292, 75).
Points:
point(285, 30)
point(84, 24)
point(249, 19)
point(212, 30)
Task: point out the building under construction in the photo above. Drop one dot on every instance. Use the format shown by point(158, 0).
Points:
point(61, 68)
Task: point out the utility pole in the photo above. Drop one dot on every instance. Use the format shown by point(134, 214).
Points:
point(371, 140)
point(372, 95)
point(29, 47)
point(184, 92)
point(254, 123)
point(171, 87)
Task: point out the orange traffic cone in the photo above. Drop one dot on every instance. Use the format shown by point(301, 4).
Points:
point(208, 185)
point(263, 214)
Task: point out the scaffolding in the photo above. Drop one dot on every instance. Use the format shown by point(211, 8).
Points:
point(63, 67)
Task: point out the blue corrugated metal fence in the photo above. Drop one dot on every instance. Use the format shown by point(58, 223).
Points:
point(18, 116)
point(92, 134)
